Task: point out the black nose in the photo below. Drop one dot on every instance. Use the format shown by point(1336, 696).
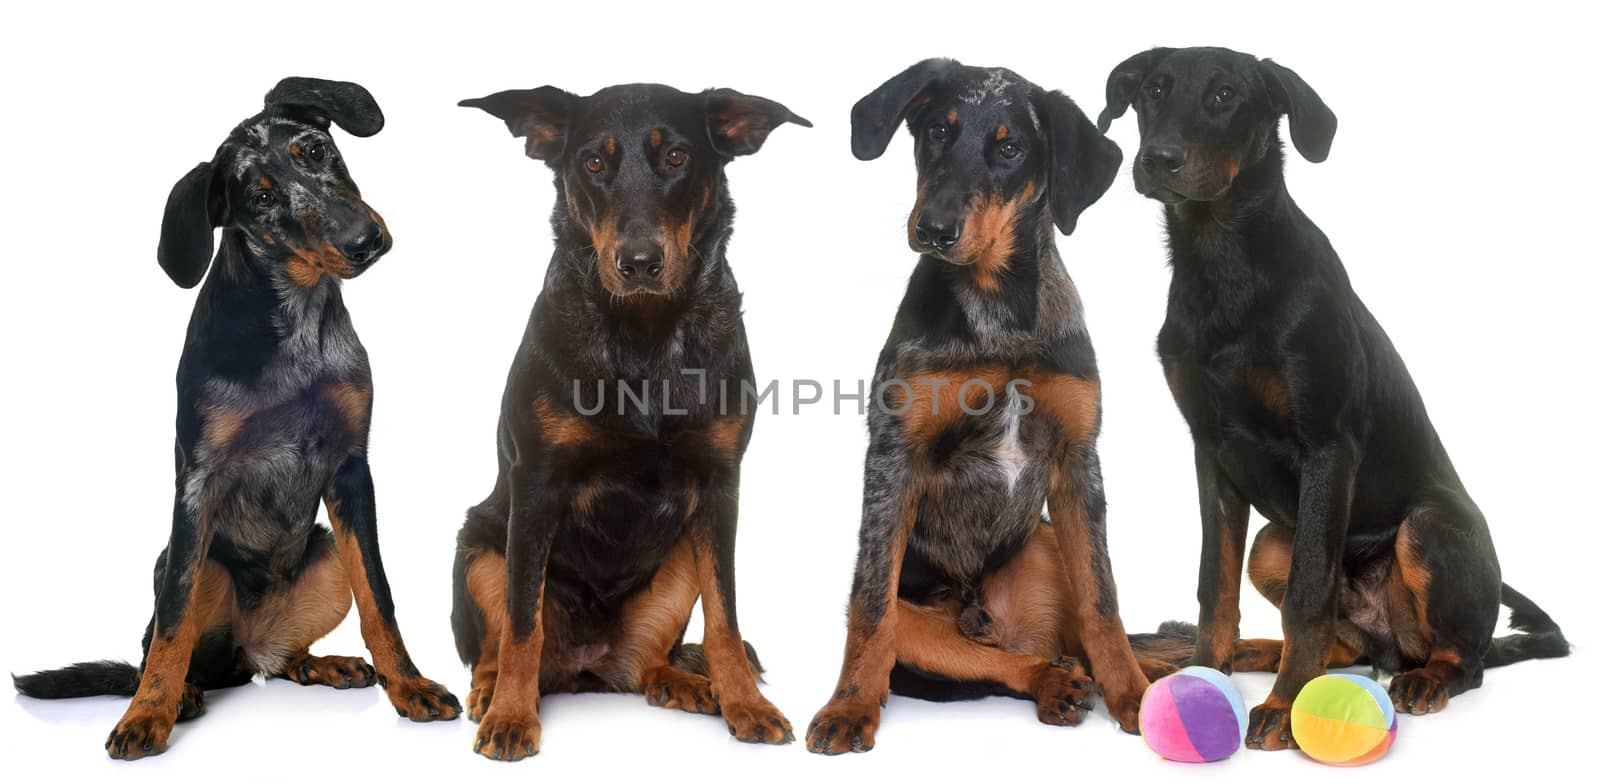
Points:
point(1163, 159)
point(937, 230)
point(634, 259)
point(366, 245)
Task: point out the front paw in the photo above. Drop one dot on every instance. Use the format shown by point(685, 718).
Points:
point(420, 699)
point(757, 722)
point(843, 726)
point(340, 672)
point(479, 700)
point(507, 738)
point(138, 735)
point(1269, 728)
point(1418, 692)
point(1063, 692)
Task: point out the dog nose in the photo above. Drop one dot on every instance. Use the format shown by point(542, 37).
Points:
point(937, 230)
point(1163, 159)
point(634, 259)
point(365, 246)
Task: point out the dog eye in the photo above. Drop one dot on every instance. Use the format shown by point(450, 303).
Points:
point(938, 132)
point(1154, 91)
point(677, 157)
point(317, 151)
point(264, 199)
point(594, 164)
point(1224, 95)
point(1010, 150)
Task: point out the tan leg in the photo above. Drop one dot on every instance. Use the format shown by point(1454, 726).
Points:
point(651, 625)
point(486, 582)
point(276, 635)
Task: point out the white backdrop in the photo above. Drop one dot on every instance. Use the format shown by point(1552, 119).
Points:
point(1459, 193)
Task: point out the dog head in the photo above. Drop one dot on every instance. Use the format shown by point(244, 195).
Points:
point(1205, 114)
point(993, 152)
point(640, 170)
point(280, 181)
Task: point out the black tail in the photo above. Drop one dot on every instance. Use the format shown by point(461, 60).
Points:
point(1173, 642)
point(691, 657)
point(1541, 638)
point(86, 679)
point(908, 681)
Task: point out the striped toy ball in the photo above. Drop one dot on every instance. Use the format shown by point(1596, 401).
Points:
point(1343, 720)
point(1193, 715)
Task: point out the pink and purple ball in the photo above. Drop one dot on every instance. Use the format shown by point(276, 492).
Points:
point(1193, 715)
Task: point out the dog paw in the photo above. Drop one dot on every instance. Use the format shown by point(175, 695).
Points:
point(479, 700)
point(340, 672)
point(420, 699)
point(757, 722)
point(1419, 691)
point(192, 705)
point(507, 738)
point(1063, 692)
point(138, 735)
point(843, 726)
point(1269, 728)
point(665, 687)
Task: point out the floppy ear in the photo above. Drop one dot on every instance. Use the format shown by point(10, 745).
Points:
point(1311, 122)
point(1083, 162)
point(1125, 80)
point(347, 104)
point(874, 119)
point(194, 209)
point(739, 124)
point(541, 116)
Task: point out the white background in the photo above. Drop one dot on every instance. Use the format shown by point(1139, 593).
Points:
point(1460, 193)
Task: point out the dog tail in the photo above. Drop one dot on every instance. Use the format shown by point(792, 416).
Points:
point(1541, 638)
point(1173, 643)
point(691, 658)
point(85, 679)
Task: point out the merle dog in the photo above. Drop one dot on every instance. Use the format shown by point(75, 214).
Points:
point(1301, 408)
point(987, 410)
point(274, 398)
point(620, 433)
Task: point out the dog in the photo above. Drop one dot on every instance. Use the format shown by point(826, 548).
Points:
point(986, 408)
point(274, 402)
point(611, 516)
point(1301, 408)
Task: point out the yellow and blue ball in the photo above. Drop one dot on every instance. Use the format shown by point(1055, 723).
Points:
point(1193, 715)
point(1343, 720)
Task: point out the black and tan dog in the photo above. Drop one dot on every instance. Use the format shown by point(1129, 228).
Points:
point(274, 397)
point(1301, 408)
point(622, 425)
point(987, 408)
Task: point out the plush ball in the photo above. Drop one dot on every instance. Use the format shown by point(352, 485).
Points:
point(1343, 720)
point(1193, 715)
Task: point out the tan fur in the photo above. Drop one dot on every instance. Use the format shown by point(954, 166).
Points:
point(652, 621)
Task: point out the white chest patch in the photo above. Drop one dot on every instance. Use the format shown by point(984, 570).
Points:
point(1008, 452)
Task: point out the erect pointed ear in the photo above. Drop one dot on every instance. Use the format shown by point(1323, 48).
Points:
point(1083, 162)
point(875, 118)
point(1124, 81)
point(1311, 122)
point(346, 104)
point(541, 116)
point(194, 209)
point(738, 124)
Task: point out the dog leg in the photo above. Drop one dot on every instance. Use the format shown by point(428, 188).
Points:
point(652, 624)
point(352, 510)
point(1224, 520)
point(190, 594)
point(1455, 620)
point(486, 588)
point(277, 634)
point(750, 716)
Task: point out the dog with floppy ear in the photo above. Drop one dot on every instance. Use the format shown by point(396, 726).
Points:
point(1301, 408)
point(986, 410)
point(624, 421)
point(274, 401)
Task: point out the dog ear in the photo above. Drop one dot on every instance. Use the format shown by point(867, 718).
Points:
point(346, 104)
point(195, 209)
point(1311, 122)
point(1083, 162)
point(875, 118)
point(739, 124)
point(540, 116)
point(1125, 80)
